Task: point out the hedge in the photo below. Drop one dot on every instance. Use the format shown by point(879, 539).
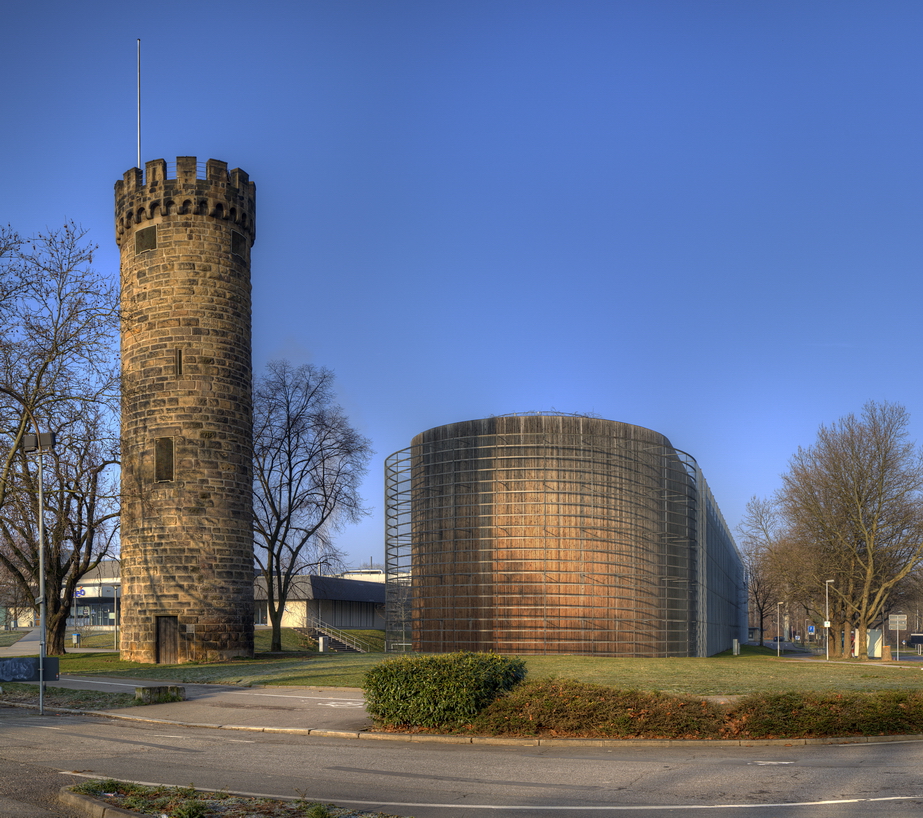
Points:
point(446, 690)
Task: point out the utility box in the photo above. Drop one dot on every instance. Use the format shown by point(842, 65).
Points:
point(76, 640)
point(875, 643)
point(322, 644)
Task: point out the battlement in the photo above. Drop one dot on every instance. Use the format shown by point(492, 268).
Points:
point(163, 191)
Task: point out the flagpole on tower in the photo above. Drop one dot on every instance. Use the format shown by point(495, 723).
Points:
point(139, 102)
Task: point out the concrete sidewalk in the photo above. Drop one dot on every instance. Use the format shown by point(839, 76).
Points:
point(268, 709)
point(298, 709)
point(30, 644)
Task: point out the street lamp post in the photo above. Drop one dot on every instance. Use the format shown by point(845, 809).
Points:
point(827, 615)
point(115, 622)
point(778, 629)
point(40, 443)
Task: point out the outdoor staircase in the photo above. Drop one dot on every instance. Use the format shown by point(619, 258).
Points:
point(338, 641)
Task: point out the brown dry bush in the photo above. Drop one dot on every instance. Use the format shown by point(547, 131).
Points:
point(813, 715)
point(569, 709)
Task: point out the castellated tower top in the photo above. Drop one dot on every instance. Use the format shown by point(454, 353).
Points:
point(150, 197)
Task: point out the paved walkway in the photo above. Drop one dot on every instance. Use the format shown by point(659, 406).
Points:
point(30, 644)
point(297, 709)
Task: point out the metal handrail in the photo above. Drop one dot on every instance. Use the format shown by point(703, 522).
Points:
point(341, 636)
point(200, 170)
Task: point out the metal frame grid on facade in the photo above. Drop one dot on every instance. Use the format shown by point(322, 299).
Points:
point(543, 534)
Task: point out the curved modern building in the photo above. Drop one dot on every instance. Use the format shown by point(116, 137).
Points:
point(550, 533)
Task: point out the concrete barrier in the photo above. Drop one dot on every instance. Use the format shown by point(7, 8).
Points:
point(160, 694)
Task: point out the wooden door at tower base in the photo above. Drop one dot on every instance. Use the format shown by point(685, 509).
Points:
point(167, 640)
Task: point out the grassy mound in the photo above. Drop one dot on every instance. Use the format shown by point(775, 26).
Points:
point(562, 708)
point(815, 715)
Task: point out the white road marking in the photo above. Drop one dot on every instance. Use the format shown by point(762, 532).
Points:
point(768, 763)
point(283, 696)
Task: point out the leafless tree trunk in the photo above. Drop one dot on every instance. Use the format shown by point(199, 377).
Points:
point(760, 535)
point(308, 464)
point(856, 498)
point(58, 358)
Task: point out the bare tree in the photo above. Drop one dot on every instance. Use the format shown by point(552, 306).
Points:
point(856, 498)
point(58, 363)
point(760, 533)
point(308, 463)
point(81, 496)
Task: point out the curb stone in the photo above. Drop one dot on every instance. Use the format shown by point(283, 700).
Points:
point(535, 741)
point(91, 807)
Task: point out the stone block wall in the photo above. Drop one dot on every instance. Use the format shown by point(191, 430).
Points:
point(187, 543)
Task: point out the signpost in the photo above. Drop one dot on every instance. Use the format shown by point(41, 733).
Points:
point(898, 622)
point(29, 669)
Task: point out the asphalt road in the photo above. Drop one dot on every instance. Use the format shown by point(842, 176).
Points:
point(432, 780)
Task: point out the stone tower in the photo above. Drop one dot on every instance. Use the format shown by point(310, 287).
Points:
point(187, 543)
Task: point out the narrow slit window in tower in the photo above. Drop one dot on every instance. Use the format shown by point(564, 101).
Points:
point(163, 460)
point(178, 362)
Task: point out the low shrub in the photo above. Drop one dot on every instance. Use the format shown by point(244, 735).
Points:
point(811, 715)
point(568, 708)
point(573, 709)
point(444, 691)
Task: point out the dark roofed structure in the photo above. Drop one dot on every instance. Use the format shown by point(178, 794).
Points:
point(339, 603)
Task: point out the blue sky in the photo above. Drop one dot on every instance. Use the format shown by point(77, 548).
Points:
point(700, 217)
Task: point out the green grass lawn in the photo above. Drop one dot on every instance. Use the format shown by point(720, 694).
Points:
point(320, 669)
point(104, 640)
point(8, 638)
point(718, 675)
point(63, 697)
point(729, 675)
point(291, 641)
